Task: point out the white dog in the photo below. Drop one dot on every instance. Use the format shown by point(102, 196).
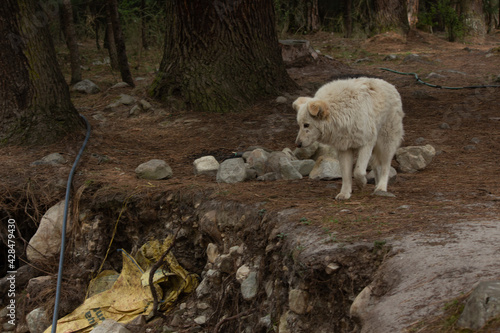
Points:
point(362, 115)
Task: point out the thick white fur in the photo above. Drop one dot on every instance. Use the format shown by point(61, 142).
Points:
point(362, 115)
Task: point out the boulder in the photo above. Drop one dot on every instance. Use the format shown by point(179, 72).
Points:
point(51, 159)
point(393, 174)
point(232, 171)
point(206, 165)
point(287, 170)
point(86, 87)
point(257, 159)
point(46, 242)
point(326, 168)
point(482, 305)
point(414, 158)
point(304, 167)
point(37, 321)
point(154, 170)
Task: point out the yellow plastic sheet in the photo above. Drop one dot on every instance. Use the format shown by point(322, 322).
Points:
point(130, 295)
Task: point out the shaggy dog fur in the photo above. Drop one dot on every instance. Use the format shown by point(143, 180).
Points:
point(363, 115)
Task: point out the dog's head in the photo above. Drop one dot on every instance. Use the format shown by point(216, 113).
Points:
point(310, 113)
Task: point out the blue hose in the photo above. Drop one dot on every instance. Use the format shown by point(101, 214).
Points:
point(65, 218)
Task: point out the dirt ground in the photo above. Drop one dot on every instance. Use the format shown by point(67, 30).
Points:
point(460, 183)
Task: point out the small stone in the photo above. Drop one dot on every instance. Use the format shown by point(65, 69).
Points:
point(470, 147)
point(135, 111)
point(444, 126)
point(475, 140)
point(390, 57)
point(249, 286)
point(212, 252)
point(287, 170)
point(326, 168)
point(232, 171)
point(298, 301)
point(415, 158)
point(37, 321)
point(201, 320)
point(145, 105)
point(154, 170)
point(206, 165)
point(242, 273)
point(120, 85)
point(86, 87)
point(419, 141)
point(126, 99)
point(281, 100)
point(332, 267)
point(433, 75)
point(226, 264)
point(51, 159)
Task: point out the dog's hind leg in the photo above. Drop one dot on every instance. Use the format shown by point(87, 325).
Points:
point(364, 154)
point(382, 156)
point(345, 159)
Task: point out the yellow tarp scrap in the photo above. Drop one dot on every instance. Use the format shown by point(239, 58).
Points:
point(130, 295)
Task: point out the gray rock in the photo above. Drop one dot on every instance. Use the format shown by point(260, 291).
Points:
point(273, 161)
point(46, 242)
point(393, 174)
point(212, 252)
point(422, 94)
point(154, 169)
point(433, 75)
point(37, 321)
point(206, 165)
point(135, 111)
point(249, 286)
point(304, 167)
point(257, 159)
point(200, 320)
point(145, 105)
point(281, 100)
point(326, 168)
point(289, 154)
point(414, 158)
point(226, 264)
point(8, 327)
point(120, 85)
point(126, 99)
point(86, 87)
point(110, 326)
point(252, 174)
point(51, 159)
point(390, 57)
point(270, 176)
point(475, 140)
point(298, 301)
point(482, 305)
point(417, 58)
point(287, 170)
point(444, 126)
point(232, 171)
point(419, 140)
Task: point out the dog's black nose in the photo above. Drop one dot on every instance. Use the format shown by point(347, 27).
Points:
point(299, 144)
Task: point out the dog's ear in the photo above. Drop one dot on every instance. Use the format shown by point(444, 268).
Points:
point(318, 109)
point(299, 101)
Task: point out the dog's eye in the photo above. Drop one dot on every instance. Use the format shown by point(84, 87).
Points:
point(306, 125)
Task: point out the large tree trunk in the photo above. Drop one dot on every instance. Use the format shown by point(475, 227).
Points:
point(391, 15)
point(413, 13)
point(35, 105)
point(220, 56)
point(71, 42)
point(474, 17)
point(120, 43)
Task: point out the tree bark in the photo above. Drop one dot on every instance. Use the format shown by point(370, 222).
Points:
point(348, 19)
point(313, 22)
point(391, 15)
point(474, 17)
point(35, 105)
point(71, 41)
point(110, 41)
point(144, 30)
point(413, 13)
point(120, 44)
point(220, 56)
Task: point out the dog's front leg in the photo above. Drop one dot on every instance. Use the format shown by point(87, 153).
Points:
point(345, 160)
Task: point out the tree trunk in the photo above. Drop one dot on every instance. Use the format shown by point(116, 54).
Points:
point(220, 56)
point(120, 44)
point(475, 22)
point(144, 30)
point(391, 15)
point(109, 41)
point(313, 22)
point(348, 19)
point(71, 42)
point(35, 105)
point(413, 13)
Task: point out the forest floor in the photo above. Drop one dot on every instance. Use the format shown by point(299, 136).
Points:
point(461, 183)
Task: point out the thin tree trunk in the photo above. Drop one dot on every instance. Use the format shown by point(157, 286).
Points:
point(109, 41)
point(120, 44)
point(144, 31)
point(348, 19)
point(35, 105)
point(313, 23)
point(220, 56)
point(71, 42)
point(413, 13)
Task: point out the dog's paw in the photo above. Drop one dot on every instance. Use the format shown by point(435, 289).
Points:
point(343, 196)
point(384, 194)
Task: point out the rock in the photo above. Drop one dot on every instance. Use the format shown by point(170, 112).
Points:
point(414, 158)
point(242, 273)
point(326, 168)
point(51, 159)
point(287, 170)
point(296, 52)
point(361, 303)
point(46, 242)
point(154, 169)
point(135, 111)
point(270, 176)
point(298, 301)
point(212, 252)
point(257, 159)
point(145, 105)
point(289, 154)
point(444, 126)
point(422, 94)
point(390, 57)
point(417, 58)
point(206, 165)
point(226, 264)
point(232, 171)
point(86, 87)
point(37, 321)
point(110, 326)
point(304, 167)
point(126, 99)
point(249, 286)
point(24, 274)
point(251, 174)
point(393, 174)
point(8, 327)
point(281, 100)
point(120, 85)
point(273, 161)
point(306, 153)
point(419, 141)
point(433, 75)
point(482, 305)
point(331, 268)
point(200, 320)
point(475, 140)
